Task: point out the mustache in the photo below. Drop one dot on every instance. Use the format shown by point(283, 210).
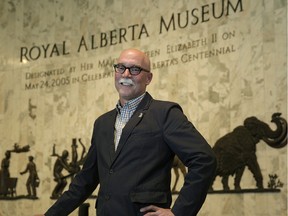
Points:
point(126, 81)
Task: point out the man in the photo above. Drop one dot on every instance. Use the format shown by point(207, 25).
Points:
point(60, 165)
point(5, 174)
point(31, 183)
point(132, 151)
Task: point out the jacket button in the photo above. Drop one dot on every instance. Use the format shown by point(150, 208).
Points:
point(107, 197)
point(111, 171)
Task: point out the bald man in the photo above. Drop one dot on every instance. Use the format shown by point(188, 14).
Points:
point(132, 151)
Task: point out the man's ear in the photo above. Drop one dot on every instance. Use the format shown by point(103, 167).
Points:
point(149, 78)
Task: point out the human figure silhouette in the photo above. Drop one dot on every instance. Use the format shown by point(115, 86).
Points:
point(33, 179)
point(5, 174)
point(60, 164)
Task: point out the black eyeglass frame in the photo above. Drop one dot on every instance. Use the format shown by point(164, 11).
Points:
point(116, 67)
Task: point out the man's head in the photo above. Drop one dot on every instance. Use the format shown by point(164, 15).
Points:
point(131, 86)
point(8, 154)
point(65, 154)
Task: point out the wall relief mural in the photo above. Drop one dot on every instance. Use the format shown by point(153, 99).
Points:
point(234, 151)
point(8, 184)
point(62, 164)
point(237, 150)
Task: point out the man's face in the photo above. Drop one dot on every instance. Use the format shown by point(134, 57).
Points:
point(131, 86)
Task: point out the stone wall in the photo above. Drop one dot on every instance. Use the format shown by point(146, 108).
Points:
point(221, 60)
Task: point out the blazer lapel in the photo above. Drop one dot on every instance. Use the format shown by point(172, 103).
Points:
point(132, 123)
point(111, 121)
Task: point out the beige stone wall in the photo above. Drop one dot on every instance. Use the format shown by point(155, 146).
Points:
point(56, 78)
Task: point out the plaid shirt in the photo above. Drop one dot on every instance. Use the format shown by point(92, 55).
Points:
point(123, 116)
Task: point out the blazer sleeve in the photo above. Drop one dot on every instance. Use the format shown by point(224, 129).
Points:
point(196, 154)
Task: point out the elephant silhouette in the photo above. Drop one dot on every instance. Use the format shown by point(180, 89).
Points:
point(237, 149)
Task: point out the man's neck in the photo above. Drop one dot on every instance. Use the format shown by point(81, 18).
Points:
point(124, 101)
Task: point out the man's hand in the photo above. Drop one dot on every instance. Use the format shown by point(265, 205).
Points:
point(156, 211)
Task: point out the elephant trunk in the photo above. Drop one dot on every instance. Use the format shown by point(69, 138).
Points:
point(276, 138)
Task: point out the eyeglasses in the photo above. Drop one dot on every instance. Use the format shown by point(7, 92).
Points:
point(133, 70)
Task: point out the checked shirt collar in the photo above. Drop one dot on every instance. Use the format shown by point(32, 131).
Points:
point(123, 116)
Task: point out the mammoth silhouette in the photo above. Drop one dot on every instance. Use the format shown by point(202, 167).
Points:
point(237, 149)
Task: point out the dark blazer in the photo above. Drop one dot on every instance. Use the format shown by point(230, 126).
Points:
point(139, 172)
